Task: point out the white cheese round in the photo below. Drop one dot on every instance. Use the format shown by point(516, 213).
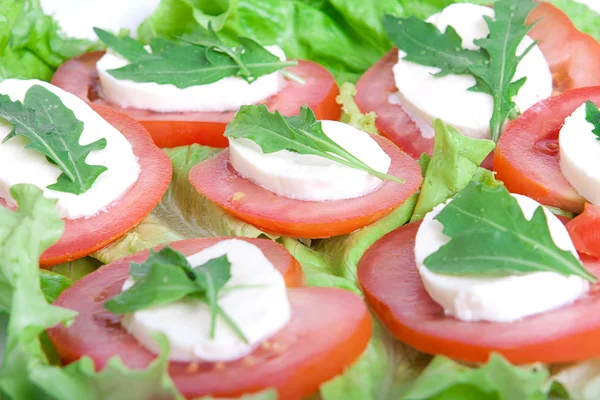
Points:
point(21, 165)
point(260, 309)
point(580, 155)
point(501, 299)
point(227, 94)
point(77, 18)
point(309, 177)
point(426, 97)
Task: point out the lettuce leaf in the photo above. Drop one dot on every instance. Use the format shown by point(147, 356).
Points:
point(27, 371)
point(496, 380)
point(308, 29)
point(31, 43)
point(351, 114)
point(455, 162)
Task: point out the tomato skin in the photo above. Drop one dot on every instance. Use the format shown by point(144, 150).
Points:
point(372, 94)
point(85, 235)
point(585, 230)
point(80, 77)
point(390, 280)
point(555, 32)
point(313, 348)
point(527, 156)
point(577, 66)
point(216, 179)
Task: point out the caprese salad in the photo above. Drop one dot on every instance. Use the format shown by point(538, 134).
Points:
point(196, 210)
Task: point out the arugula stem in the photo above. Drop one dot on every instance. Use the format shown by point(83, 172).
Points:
point(293, 77)
point(231, 324)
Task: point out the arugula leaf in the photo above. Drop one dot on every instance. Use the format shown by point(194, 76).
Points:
point(493, 65)
point(166, 256)
point(163, 284)
point(592, 115)
point(197, 59)
point(54, 131)
point(490, 236)
point(424, 44)
point(126, 46)
point(301, 134)
point(53, 284)
point(166, 277)
point(455, 162)
point(507, 31)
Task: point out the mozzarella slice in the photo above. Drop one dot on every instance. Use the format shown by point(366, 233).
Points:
point(78, 17)
point(580, 155)
point(21, 165)
point(310, 177)
point(255, 298)
point(501, 299)
point(426, 97)
point(227, 94)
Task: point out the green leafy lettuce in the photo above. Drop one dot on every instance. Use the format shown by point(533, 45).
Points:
point(345, 36)
point(31, 43)
point(454, 164)
point(27, 370)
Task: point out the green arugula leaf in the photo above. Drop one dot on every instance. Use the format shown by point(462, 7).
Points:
point(301, 134)
point(199, 58)
point(212, 276)
point(126, 46)
point(455, 162)
point(490, 236)
point(493, 65)
point(507, 31)
point(166, 277)
point(54, 131)
point(163, 284)
point(424, 44)
point(592, 115)
point(166, 256)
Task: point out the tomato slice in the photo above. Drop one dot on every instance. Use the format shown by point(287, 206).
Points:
point(571, 54)
point(527, 156)
point(85, 235)
point(312, 348)
point(219, 182)
point(585, 230)
point(79, 76)
point(393, 287)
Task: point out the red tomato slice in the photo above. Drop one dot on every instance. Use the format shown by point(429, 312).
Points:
point(393, 287)
point(79, 76)
point(585, 230)
point(218, 181)
point(85, 235)
point(329, 330)
point(572, 56)
point(527, 155)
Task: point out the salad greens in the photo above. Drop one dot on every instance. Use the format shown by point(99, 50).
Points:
point(493, 65)
point(498, 379)
point(166, 277)
point(301, 134)
point(490, 236)
point(455, 162)
point(200, 60)
point(31, 44)
point(592, 115)
point(351, 114)
point(53, 131)
point(345, 36)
